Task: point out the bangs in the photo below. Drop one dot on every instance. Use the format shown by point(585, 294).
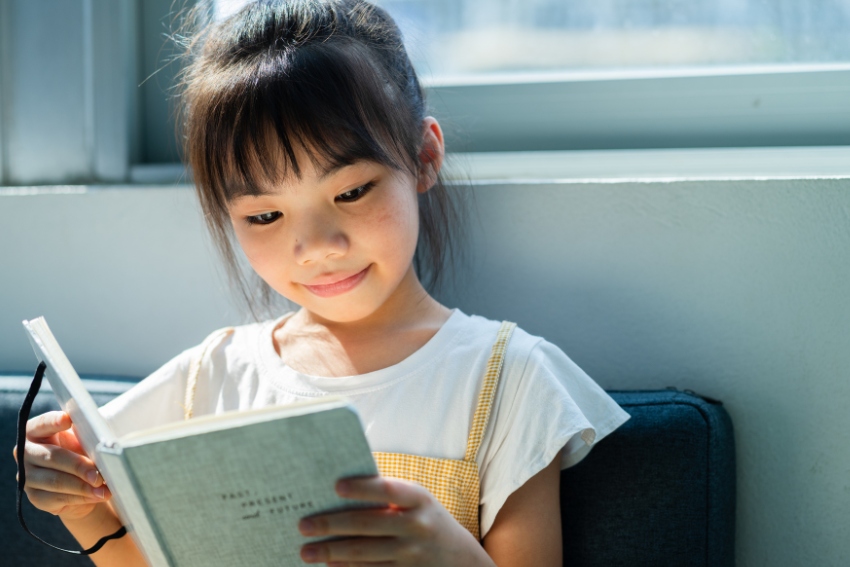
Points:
point(327, 101)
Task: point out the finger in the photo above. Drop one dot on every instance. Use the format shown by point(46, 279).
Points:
point(69, 440)
point(63, 484)
point(385, 490)
point(54, 502)
point(56, 458)
point(366, 550)
point(380, 522)
point(47, 424)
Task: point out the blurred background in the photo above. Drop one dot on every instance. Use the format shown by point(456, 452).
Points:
point(503, 75)
point(661, 188)
point(451, 39)
point(92, 81)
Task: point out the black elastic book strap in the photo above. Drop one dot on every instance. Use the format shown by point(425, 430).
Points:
point(23, 416)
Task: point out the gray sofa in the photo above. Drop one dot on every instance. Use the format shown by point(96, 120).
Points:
point(659, 491)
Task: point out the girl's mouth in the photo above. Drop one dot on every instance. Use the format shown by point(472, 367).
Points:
point(341, 286)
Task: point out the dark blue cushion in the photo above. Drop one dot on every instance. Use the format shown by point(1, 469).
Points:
point(658, 491)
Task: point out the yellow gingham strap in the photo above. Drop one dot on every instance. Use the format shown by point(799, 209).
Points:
point(488, 390)
point(195, 368)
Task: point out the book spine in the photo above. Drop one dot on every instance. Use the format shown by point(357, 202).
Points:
point(130, 507)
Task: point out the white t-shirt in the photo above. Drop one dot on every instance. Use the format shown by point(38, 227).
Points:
point(423, 405)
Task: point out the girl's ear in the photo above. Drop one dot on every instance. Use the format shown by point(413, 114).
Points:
point(431, 155)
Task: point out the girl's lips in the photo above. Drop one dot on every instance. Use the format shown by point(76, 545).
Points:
point(339, 287)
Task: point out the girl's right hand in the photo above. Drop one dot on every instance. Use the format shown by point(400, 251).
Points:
point(60, 478)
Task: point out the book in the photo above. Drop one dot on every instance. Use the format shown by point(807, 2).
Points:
point(218, 490)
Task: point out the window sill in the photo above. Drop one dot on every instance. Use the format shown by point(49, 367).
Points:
point(586, 166)
point(654, 165)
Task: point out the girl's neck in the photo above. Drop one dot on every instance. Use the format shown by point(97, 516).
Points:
point(401, 326)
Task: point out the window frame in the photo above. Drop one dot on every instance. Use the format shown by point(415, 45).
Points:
point(5, 50)
point(721, 107)
point(756, 106)
point(77, 103)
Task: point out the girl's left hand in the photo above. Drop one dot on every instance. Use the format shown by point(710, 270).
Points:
point(414, 529)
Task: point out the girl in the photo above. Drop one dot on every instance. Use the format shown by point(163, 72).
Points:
point(306, 130)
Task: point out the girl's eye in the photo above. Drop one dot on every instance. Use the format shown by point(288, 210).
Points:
point(354, 194)
point(265, 218)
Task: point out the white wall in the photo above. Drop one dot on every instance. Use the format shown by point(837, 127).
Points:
point(125, 277)
point(735, 289)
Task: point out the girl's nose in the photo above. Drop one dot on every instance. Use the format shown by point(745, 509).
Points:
point(319, 239)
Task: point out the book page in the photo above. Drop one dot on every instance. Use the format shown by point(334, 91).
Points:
point(72, 395)
point(234, 496)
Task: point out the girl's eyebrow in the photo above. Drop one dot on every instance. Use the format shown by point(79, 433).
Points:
point(334, 169)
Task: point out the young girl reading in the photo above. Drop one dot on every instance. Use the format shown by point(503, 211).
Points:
point(307, 133)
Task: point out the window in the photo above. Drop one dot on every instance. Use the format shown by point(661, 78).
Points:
point(502, 75)
point(451, 39)
point(509, 75)
point(604, 74)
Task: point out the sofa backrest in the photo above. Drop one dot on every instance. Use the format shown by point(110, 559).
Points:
point(660, 490)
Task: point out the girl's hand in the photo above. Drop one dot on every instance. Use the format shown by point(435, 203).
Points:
point(414, 529)
point(60, 478)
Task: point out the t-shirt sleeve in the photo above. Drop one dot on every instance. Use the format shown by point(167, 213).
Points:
point(156, 400)
point(547, 403)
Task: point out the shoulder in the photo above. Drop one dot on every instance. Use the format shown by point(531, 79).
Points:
point(530, 359)
point(524, 354)
point(243, 335)
point(482, 333)
point(159, 398)
point(544, 390)
point(236, 345)
point(226, 346)
point(545, 404)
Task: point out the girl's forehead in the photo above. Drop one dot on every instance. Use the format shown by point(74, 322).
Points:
point(308, 161)
point(312, 172)
point(267, 161)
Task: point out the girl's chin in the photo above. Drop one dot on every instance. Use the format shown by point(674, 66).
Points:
point(346, 313)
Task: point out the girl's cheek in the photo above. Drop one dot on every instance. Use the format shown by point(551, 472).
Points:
point(396, 230)
point(399, 214)
point(250, 249)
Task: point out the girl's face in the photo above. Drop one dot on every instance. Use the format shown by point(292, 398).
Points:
point(339, 243)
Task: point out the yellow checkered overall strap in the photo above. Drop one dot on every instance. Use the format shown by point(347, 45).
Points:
point(488, 390)
point(195, 368)
point(455, 483)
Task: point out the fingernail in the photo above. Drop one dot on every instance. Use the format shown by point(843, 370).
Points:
point(309, 554)
point(306, 526)
point(92, 477)
point(99, 492)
